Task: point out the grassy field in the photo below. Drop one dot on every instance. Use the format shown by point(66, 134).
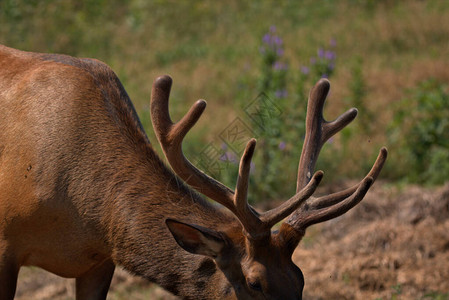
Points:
point(212, 51)
point(383, 55)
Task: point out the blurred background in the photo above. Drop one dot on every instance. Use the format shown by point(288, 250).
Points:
point(255, 62)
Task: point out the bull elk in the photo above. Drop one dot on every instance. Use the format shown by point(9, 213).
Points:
point(82, 190)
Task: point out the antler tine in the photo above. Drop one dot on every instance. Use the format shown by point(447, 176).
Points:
point(245, 213)
point(335, 198)
point(170, 137)
point(318, 131)
point(271, 217)
point(241, 191)
point(314, 216)
point(167, 131)
point(258, 225)
point(379, 163)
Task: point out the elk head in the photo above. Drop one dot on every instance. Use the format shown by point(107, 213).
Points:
point(256, 262)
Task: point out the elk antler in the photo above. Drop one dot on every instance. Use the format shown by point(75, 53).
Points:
point(318, 131)
point(170, 135)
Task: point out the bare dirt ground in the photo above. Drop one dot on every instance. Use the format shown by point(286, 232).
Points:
point(393, 245)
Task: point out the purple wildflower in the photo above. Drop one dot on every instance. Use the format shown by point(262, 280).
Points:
point(278, 93)
point(223, 157)
point(229, 157)
point(277, 40)
point(281, 93)
point(330, 55)
point(320, 52)
point(232, 157)
point(282, 145)
point(333, 42)
point(279, 66)
point(271, 43)
point(280, 51)
point(252, 168)
point(266, 38)
point(324, 76)
point(305, 70)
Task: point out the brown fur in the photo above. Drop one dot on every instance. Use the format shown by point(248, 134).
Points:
point(80, 184)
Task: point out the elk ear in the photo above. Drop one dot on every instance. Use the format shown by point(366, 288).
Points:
point(196, 239)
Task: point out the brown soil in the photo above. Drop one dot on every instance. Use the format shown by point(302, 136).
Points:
point(393, 245)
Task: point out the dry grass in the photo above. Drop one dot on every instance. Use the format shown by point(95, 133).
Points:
point(394, 245)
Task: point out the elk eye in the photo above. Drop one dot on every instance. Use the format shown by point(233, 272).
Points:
point(254, 284)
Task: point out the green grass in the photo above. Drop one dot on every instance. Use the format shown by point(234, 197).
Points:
point(211, 49)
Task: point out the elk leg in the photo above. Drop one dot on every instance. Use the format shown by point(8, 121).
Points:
point(94, 285)
point(9, 271)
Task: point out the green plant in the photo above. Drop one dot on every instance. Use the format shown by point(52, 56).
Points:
point(435, 296)
point(397, 290)
point(266, 116)
point(420, 134)
point(280, 129)
point(357, 98)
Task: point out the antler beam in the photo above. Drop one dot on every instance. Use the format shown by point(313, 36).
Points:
point(318, 131)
